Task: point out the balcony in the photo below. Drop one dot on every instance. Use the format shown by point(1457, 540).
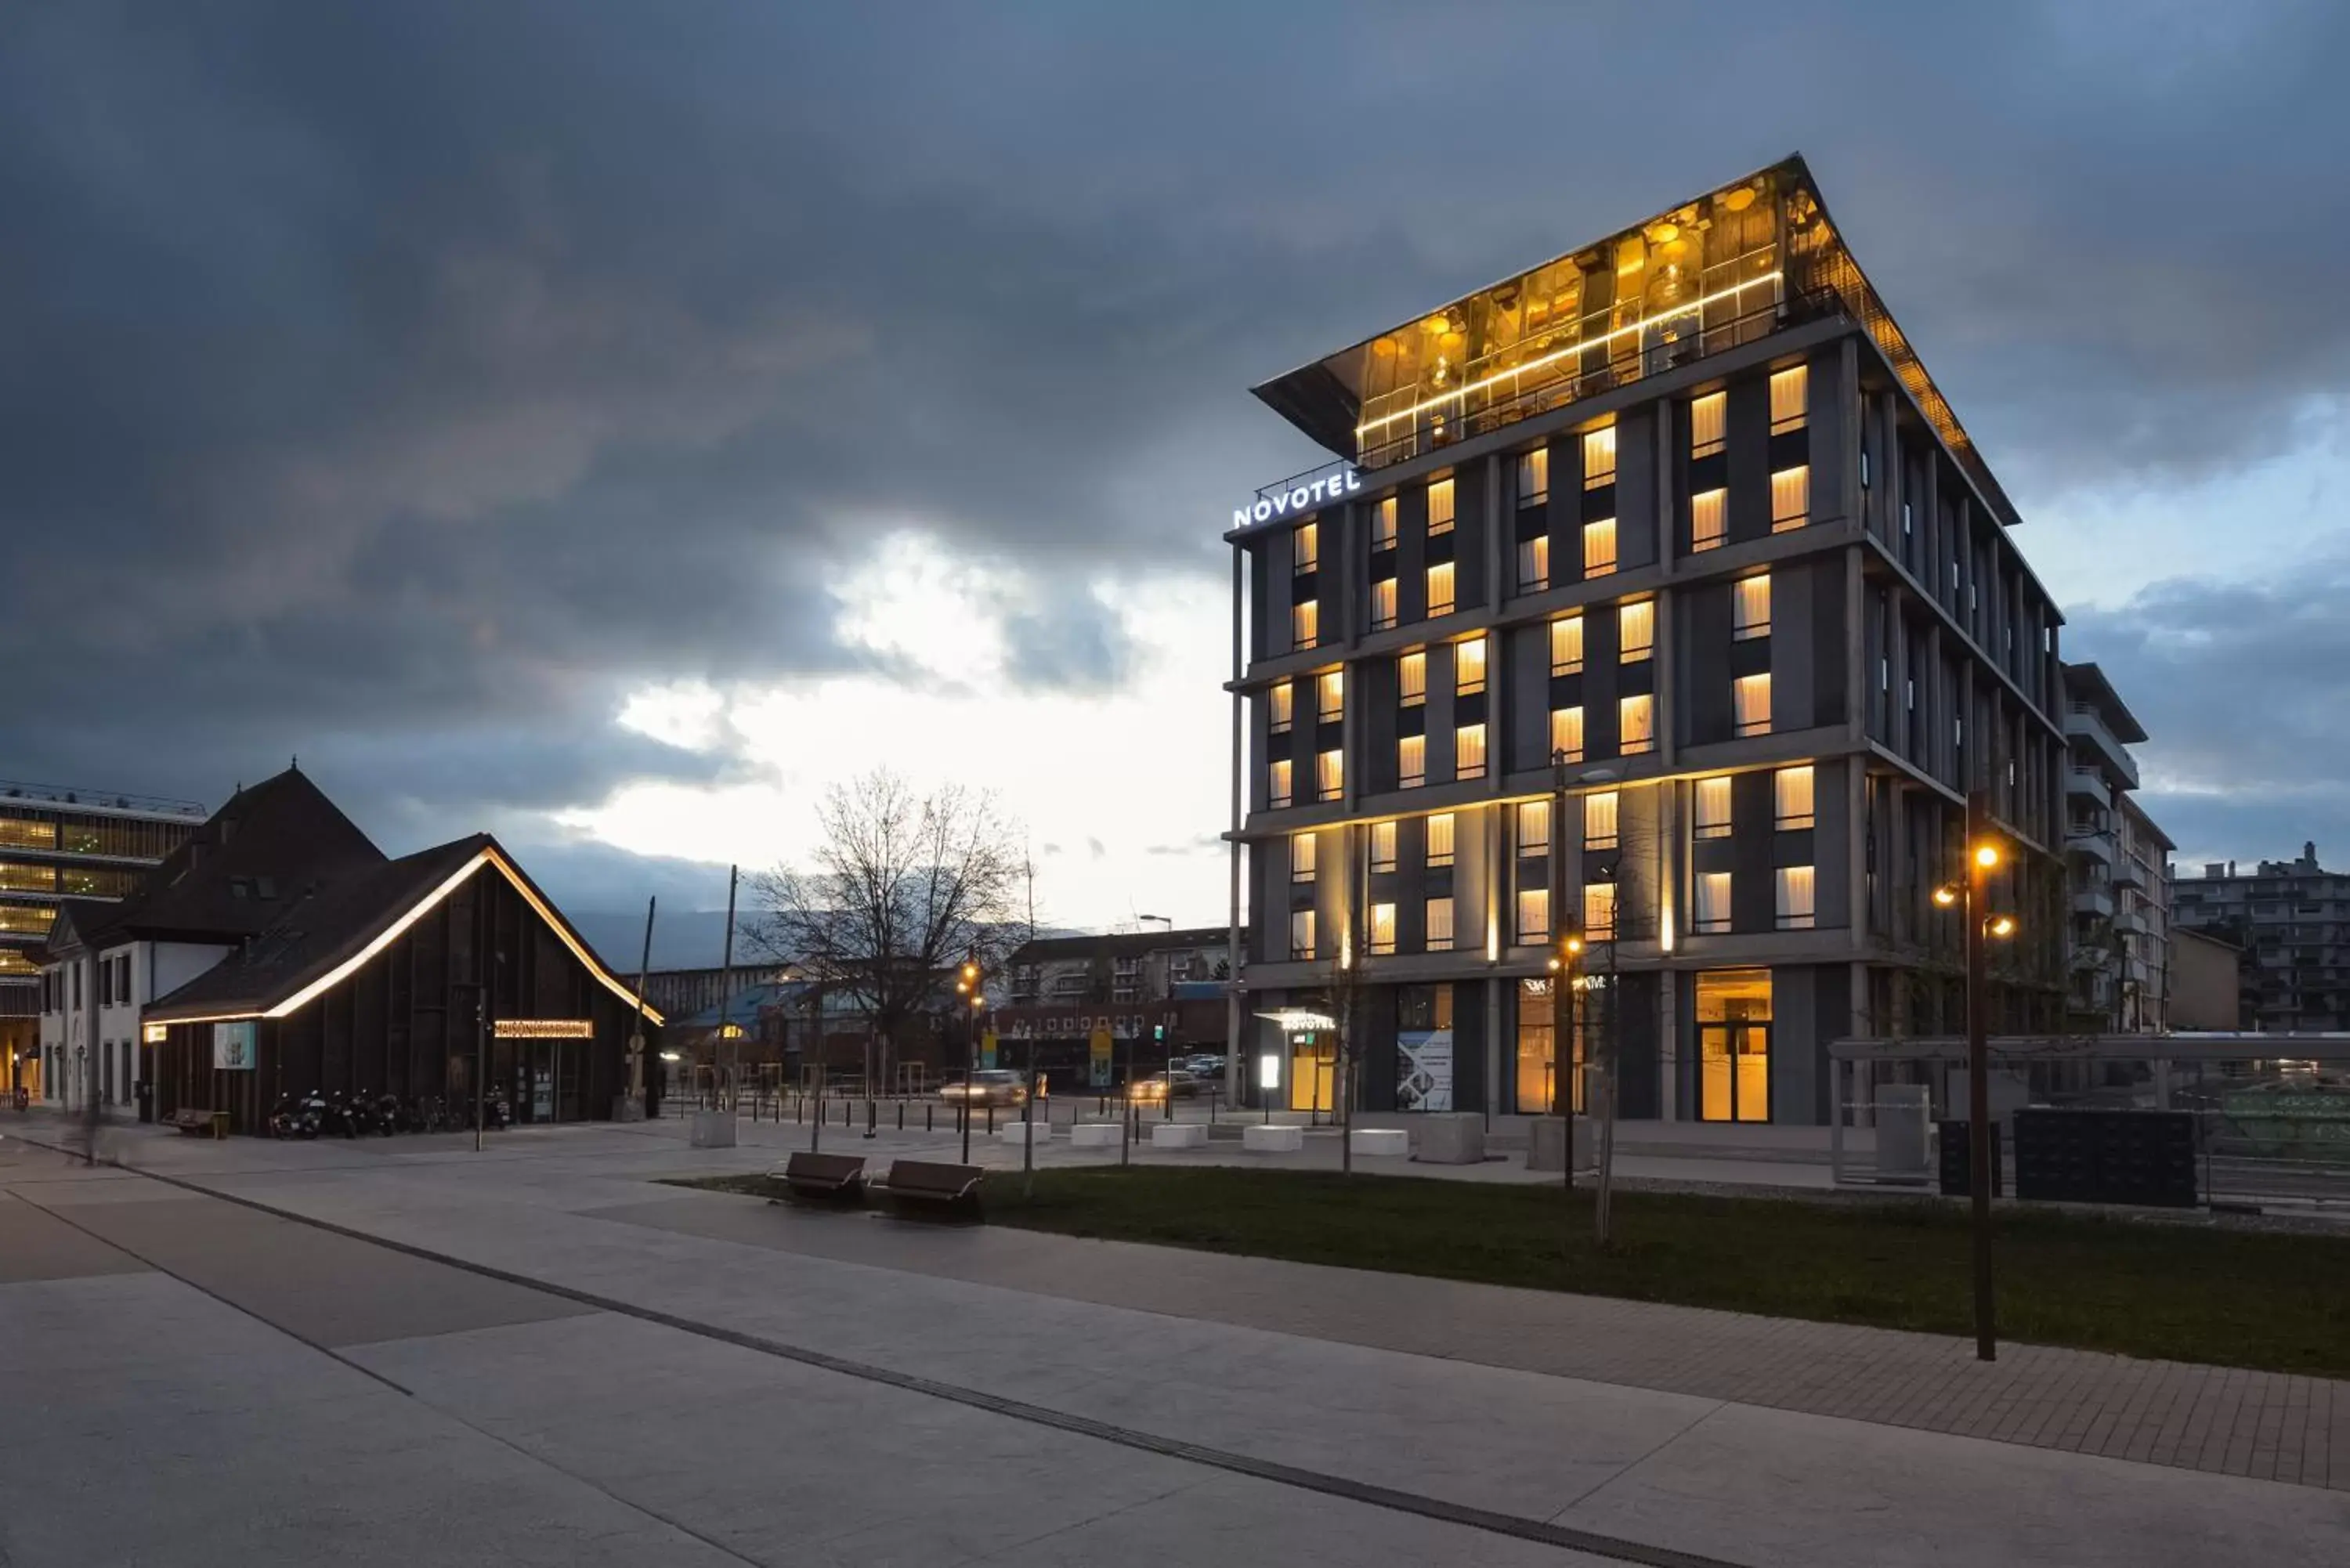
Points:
point(2086, 729)
point(2093, 899)
point(2088, 783)
point(2092, 843)
point(2129, 873)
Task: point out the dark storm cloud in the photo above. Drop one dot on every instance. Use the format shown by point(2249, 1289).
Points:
point(404, 384)
point(2245, 689)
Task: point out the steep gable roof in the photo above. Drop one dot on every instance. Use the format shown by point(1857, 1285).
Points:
point(271, 844)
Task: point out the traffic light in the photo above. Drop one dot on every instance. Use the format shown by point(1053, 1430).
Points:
point(1159, 1032)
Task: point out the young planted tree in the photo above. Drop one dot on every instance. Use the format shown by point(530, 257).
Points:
point(899, 888)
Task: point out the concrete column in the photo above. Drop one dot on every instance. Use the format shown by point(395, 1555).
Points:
point(1495, 1056)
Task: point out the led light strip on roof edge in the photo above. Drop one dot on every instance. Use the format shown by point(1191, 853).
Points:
point(423, 907)
point(1583, 346)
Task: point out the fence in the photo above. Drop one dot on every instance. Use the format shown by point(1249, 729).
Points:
point(2271, 1112)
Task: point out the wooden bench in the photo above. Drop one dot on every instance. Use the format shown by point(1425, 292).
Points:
point(193, 1122)
point(835, 1177)
point(931, 1186)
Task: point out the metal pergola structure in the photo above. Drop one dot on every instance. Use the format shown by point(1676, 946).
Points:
point(2174, 1061)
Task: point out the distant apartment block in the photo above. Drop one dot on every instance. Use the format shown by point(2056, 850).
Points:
point(58, 843)
point(2293, 917)
point(2119, 864)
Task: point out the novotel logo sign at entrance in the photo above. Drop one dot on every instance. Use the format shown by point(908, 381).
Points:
point(1299, 498)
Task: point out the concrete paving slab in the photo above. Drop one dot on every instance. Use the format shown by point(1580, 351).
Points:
point(229, 1445)
point(322, 1288)
point(36, 1245)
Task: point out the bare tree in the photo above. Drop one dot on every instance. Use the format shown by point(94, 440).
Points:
point(899, 889)
point(1345, 994)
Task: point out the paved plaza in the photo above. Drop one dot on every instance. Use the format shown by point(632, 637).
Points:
point(401, 1351)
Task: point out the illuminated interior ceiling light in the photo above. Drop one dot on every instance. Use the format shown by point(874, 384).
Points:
point(1738, 201)
point(1629, 329)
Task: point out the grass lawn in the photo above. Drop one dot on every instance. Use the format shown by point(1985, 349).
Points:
point(2277, 1301)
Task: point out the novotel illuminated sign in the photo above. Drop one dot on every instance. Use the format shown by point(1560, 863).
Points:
point(1299, 498)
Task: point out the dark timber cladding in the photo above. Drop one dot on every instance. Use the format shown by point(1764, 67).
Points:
point(377, 988)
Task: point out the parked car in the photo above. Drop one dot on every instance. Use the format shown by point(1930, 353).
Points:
point(988, 1086)
point(1205, 1066)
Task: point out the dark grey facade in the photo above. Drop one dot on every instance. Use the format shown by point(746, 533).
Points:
point(1801, 632)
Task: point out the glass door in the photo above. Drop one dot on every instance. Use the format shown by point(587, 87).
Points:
point(1734, 1072)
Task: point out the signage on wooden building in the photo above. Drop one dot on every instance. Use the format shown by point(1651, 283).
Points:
point(233, 1046)
point(542, 1028)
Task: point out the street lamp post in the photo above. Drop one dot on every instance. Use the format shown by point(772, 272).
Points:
point(967, 983)
point(1561, 980)
point(1973, 898)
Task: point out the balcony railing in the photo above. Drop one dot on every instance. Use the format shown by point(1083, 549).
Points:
point(13, 791)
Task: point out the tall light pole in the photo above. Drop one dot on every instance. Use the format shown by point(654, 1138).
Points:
point(1973, 896)
point(1561, 1005)
point(968, 981)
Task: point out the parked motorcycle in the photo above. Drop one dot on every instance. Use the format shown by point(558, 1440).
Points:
point(343, 1116)
point(296, 1117)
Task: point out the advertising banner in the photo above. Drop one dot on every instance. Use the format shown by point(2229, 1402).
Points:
point(1424, 1066)
point(233, 1046)
point(1098, 1058)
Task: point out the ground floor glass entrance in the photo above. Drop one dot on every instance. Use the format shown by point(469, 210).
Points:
point(1733, 1045)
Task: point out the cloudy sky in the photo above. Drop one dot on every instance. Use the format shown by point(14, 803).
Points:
point(608, 423)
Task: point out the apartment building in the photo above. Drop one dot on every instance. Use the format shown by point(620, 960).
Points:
point(1654, 594)
point(2119, 865)
point(59, 844)
point(2294, 917)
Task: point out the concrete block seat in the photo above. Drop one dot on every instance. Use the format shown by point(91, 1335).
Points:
point(1095, 1135)
point(1271, 1137)
point(1038, 1131)
point(1179, 1134)
point(1384, 1141)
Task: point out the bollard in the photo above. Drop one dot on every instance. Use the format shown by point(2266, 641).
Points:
point(991, 1118)
point(901, 1116)
point(930, 1114)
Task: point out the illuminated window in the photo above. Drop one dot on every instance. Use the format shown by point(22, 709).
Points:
point(1383, 604)
point(14, 962)
point(1706, 420)
point(1383, 846)
point(1534, 827)
point(1750, 700)
point(1440, 589)
point(1599, 910)
point(1280, 698)
point(1330, 696)
point(1712, 912)
point(1533, 914)
point(1534, 564)
point(1789, 389)
point(1566, 644)
point(1468, 667)
point(1533, 477)
point(1411, 679)
point(1796, 913)
point(1439, 839)
point(17, 877)
point(1382, 928)
point(1280, 781)
point(1440, 507)
point(1305, 547)
point(1599, 548)
point(1708, 520)
point(1566, 734)
point(1791, 797)
point(1599, 820)
point(1440, 925)
point(1305, 624)
point(1301, 857)
point(1599, 458)
point(1712, 808)
point(1383, 524)
point(1750, 614)
point(1329, 774)
point(1791, 498)
point(1301, 934)
point(18, 834)
point(1636, 721)
point(1636, 631)
point(26, 920)
point(1411, 762)
point(1469, 751)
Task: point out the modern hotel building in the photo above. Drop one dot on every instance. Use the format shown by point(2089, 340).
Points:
point(1665, 558)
